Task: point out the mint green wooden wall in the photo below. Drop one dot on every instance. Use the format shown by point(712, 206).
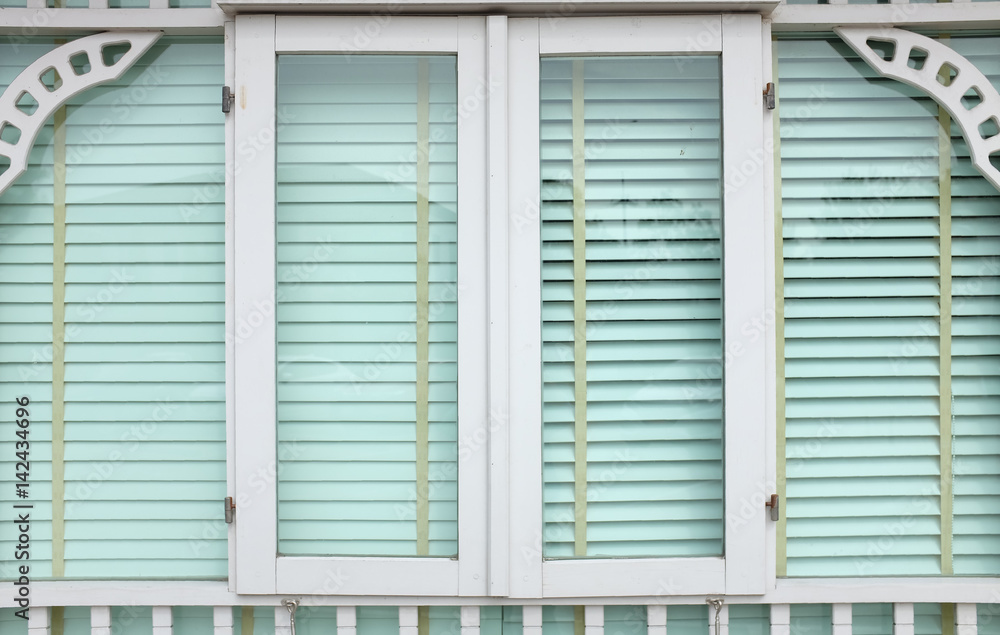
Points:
point(144, 310)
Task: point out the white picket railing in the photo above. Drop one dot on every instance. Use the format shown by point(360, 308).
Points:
point(40, 620)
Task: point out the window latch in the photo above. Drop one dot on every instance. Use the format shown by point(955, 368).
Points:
point(230, 508)
point(774, 505)
point(769, 95)
point(227, 99)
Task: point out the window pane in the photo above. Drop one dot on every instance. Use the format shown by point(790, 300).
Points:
point(366, 305)
point(632, 306)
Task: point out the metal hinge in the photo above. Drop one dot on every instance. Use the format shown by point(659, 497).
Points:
point(769, 95)
point(227, 99)
point(775, 507)
point(230, 508)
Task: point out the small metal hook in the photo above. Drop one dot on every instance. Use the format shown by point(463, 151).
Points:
point(291, 604)
point(717, 603)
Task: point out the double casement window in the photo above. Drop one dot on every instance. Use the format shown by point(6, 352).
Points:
point(496, 288)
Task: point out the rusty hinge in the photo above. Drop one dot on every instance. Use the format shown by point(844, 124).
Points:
point(769, 96)
point(230, 508)
point(773, 504)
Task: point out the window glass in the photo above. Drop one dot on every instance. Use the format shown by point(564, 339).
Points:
point(631, 306)
point(366, 305)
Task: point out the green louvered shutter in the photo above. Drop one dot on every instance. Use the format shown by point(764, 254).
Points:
point(631, 269)
point(864, 344)
point(143, 303)
point(367, 312)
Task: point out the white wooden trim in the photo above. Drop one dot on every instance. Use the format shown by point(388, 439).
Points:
point(347, 620)
point(230, 184)
point(100, 4)
point(254, 237)
point(350, 34)
point(739, 37)
point(39, 620)
point(623, 35)
point(949, 16)
point(367, 576)
point(38, 20)
point(842, 617)
point(789, 591)
point(633, 577)
point(498, 306)
point(745, 303)
point(902, 618)
point(473, 326)
point(771, 378)
point(656, 619)
point(100, 620)
point(520, 8)
point(524, 293)
point(467, 575)
point(163, 620)
point(222, 620)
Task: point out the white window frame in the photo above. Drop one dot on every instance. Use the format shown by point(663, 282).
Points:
point(742, 570)
point(259, 569)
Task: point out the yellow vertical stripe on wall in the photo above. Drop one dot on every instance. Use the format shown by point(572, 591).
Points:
point(423, 310)
point(944, 163)
point(58, 344)
point(579, 314)
point(779, 329)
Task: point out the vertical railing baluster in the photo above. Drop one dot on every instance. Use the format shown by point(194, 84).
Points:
point(593, 620)
point(347, 620)
point(843, 618)
point(163, 620)
point(531, 620)
point(902, 618)
point(222, 620)
point(469, 618)
point(781, 619)
point(100, 620)
point(656, 620)
point(966, 620)
point(408, 620)
point(39, 620)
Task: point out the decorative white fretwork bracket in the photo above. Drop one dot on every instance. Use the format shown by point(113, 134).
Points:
point(969, 98)
point(30, 100)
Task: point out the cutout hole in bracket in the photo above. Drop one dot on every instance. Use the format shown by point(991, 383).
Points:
point(989, 128)
point(9, 133)
point(4, 163)
point(917, 58)
point(886, 49)
point(51, 79)
point(972, 98)
point(111, 54)
point(995, 160)
point(947, 74)
point(26, 103)
point(80, 63)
